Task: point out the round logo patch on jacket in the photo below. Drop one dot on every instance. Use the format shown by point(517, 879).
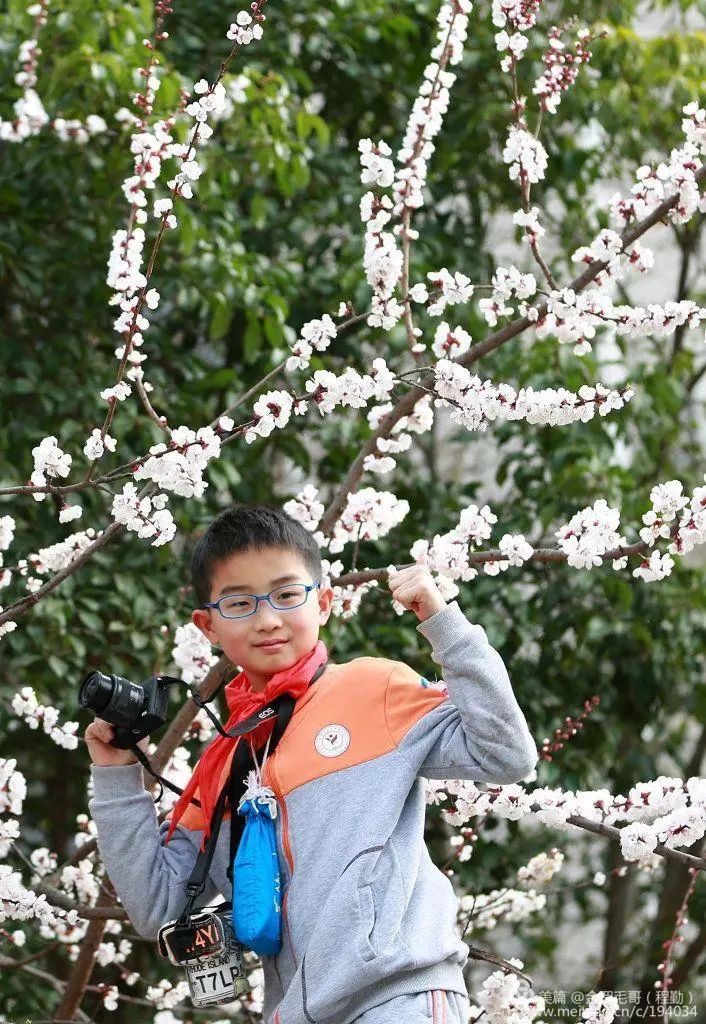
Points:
point(332, 740)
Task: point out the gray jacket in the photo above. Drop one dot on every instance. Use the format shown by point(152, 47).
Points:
point(366, 913)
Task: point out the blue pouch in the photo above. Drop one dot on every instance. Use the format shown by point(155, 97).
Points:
point(257, 910)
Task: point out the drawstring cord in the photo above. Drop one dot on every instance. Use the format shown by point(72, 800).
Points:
point(255, 790)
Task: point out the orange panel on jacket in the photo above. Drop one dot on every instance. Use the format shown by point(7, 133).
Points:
point(374, 701)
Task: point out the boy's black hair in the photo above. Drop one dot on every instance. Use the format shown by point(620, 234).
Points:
point(248, 527)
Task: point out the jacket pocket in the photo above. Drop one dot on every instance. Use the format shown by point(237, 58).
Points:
point(382, 902)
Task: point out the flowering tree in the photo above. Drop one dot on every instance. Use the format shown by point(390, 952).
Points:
point(544, 327)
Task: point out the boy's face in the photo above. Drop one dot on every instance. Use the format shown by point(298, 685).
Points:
point(255, 572)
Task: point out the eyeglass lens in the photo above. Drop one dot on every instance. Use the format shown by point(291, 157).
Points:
point(289, 596)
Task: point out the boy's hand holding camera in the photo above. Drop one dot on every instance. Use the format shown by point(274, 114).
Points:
point(98, 736)
point(415, 590)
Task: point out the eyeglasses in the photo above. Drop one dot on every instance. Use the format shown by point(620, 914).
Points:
point(239, 606)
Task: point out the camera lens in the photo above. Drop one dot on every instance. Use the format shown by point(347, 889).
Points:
point(115, 699)
point(96, 690)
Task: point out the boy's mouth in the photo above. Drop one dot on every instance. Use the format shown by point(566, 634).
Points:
point(271, 645)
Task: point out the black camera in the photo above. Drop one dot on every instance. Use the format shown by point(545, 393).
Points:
point(135, 709)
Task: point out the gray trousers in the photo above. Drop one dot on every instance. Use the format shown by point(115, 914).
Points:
point(436, 1006)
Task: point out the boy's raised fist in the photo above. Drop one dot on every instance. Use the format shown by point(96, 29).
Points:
point(414, 588)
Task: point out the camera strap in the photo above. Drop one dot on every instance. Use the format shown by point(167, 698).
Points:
point(247, 725)
point(233, 789)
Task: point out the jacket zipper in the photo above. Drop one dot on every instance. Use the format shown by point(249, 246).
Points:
point(287, 853)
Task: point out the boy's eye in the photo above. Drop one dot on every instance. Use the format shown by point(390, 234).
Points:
point(233, 603)
point(289, 595)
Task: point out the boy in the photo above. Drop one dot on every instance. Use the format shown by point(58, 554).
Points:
point(368, 920)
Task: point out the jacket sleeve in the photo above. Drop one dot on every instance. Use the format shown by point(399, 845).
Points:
point(148, 877)
point(468, 726)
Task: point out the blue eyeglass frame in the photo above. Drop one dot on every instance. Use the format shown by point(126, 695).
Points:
point(263, 597)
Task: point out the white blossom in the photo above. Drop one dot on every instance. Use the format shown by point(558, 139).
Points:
point(590, 533)
point(145, 516)
point(180, 465)
point(49, 460)
point(244, 29)
point(192, 653)
point(377, 168)
point(515, 548)
point(475, 402)
point(449, 289)
point(541, 868)
point(529, 221)
point(315, 334)
point(213, 100)
point(96, 445)
point(20, 904)
point(637, 841)
point(7, 531)
point(120, 392)
point(7, 627)
point(525, 154)
point(81, 880)
point(504, 997)
point(26, 706)
point(450, 342)
point(162, 206)
point(306, 507)
point(70, 512)
point(656, 567)
point(13, 787)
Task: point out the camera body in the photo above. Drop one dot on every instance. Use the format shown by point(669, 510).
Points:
point(135, 709)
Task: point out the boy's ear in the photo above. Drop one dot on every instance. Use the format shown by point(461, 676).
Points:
point(326, 603)
point(201, 618)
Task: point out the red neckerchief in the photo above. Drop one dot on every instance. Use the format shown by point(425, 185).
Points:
point(242, 702)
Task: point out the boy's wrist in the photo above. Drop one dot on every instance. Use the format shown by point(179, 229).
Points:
point(444, 629)
point(432, 609)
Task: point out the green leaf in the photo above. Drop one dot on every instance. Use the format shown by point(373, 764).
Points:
point(700, 703)
point(124, 585)
point(91, 621)
point(220, 318)
point(300, 173)
point(58, 667)
point(273, 331)
point(258, 210)
point(252, 340)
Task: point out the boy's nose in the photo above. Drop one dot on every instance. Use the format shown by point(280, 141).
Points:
point(266, 609)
